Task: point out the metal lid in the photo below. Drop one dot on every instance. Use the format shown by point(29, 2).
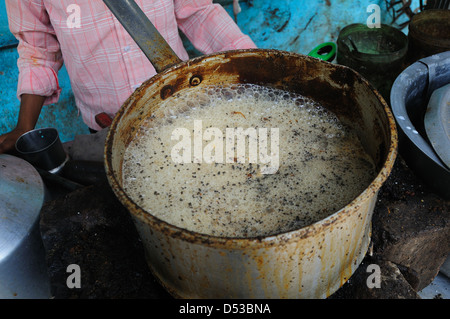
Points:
point(21, 199)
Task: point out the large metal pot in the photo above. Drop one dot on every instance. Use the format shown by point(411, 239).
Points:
point(311, 262)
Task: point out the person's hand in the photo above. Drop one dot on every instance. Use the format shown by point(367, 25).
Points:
point(30, 108)
point(8, 140)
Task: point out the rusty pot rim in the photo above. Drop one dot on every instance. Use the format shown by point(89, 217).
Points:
point(240, 242)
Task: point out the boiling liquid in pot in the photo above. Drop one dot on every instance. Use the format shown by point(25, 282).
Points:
point(321, 166)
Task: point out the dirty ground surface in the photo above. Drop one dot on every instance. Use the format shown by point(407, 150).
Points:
point(89, 227)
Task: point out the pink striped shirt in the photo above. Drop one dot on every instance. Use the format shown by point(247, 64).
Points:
point(104, 63)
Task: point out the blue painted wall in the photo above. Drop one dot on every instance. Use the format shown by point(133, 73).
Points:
point(291, 25)
point(62, 115)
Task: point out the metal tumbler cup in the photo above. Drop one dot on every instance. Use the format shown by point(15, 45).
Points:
point(43, 149)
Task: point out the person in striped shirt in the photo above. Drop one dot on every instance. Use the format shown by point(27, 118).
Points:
point(104, 63)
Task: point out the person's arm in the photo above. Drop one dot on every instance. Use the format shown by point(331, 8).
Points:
point(39, 61)
point(30, 108)
point(209, 27)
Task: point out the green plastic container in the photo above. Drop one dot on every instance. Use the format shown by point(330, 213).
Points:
point(378, 54)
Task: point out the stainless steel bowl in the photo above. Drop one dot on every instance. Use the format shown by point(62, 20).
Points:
point(410, 95)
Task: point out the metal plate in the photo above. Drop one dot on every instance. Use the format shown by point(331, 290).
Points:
point(437, 122)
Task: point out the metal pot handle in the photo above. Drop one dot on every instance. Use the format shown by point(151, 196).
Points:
point(144, 33)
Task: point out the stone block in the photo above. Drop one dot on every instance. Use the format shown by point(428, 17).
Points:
point(391, 284)
point(411, 227)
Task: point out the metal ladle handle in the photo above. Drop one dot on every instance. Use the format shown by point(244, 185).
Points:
point(144, 33)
